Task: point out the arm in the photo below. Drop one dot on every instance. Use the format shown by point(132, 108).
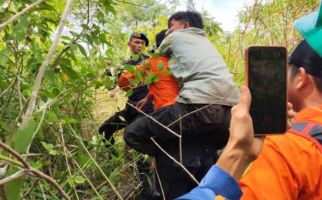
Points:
point(242, 148)
point(140, 104)
point(123, 81)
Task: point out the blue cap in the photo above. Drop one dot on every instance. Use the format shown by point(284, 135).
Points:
point(304, 56)
point(310, 27)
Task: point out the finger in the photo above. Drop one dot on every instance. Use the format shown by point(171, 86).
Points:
point(245, 98)
point(138, 105)
point(289, 106)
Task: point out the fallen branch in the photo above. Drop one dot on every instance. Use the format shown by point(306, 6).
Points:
point(13, 18)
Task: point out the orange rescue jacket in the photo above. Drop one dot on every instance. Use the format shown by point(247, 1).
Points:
point(164, 91)
point(289, 166)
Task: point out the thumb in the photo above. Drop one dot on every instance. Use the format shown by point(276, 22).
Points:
point(245, 98)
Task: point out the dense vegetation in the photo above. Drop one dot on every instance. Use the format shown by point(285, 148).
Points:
point(52, 87)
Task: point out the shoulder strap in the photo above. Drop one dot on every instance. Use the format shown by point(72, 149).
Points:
point(310, 131)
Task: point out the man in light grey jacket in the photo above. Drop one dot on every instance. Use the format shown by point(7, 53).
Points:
point(201, 114)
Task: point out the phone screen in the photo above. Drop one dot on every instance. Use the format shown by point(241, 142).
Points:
point(267, 83)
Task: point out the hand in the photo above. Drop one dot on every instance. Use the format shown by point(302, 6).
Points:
point(242, 147)
point(241, 127)
point(140, 104)
point(290, 114)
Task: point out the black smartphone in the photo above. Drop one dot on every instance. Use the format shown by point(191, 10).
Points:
point(266, 79)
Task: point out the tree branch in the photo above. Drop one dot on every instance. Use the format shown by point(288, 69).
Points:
point(174, 160)
point(13, 18)
point(36, 172)
point(13, 177)
point(133, 4)
point(42, 69)
point(15, 154)
point(51, 181)
point(156, 121)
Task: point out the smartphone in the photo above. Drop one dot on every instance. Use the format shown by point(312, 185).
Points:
point(266, 79)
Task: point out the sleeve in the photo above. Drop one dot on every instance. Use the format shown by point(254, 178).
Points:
point(275, 173)
point(123, 81)
point(165, 47)
point(215, 182)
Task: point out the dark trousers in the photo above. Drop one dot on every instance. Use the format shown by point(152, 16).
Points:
point(120, 120)
point(203, 131)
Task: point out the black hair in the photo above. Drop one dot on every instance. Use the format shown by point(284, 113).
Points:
point(160, 37)
point(194, 18)
point(304, 56)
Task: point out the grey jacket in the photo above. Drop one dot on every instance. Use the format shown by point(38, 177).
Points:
point(201, 72)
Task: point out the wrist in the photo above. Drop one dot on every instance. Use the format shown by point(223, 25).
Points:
point(234, 161)
point(150, 97)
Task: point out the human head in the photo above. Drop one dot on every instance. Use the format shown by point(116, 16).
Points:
point(304, 75)
point(160, 37)
point(184, 19)
point(137, 42)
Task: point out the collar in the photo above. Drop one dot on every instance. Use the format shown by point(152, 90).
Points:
point(193, 30)
point(310, 114)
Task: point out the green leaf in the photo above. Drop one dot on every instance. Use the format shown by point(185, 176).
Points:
point(129, 68)
point(73, 48)
point(23, 137)
point(135, 57)
point(149, 78)
point(79, 179)
point(3, 58)
point(166, 72)
point(156, 79)
point(160, 66)
point(82, 50)
point(64, 37)
point(20, 30)
point(20, 142)
point(138, 75)
point(50, 75)
point(70, 72)
point(154, 55)
point(51, 116)
point(50, 148)
point(36, 165)
point(70, 120)
point(129, 92)
point(12, 189)
point(54, 152)
point(47, 146)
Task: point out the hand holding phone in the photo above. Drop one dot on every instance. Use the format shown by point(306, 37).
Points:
point(266, 79)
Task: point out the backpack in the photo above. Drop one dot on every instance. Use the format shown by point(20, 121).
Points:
point(309, 130)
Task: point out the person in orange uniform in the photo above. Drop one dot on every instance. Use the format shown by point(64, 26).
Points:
point(165, 90)
point(290, 165)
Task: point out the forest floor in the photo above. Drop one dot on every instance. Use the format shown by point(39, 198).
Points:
point(105, 104)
